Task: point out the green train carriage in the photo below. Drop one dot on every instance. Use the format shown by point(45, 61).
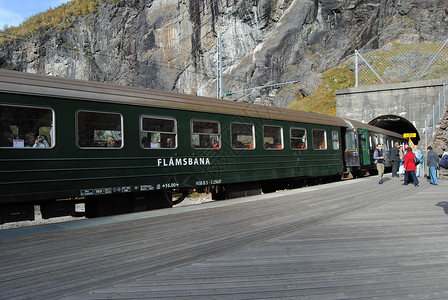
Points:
point(162, 143)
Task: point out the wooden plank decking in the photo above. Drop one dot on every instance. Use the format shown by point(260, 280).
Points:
point(347, 240)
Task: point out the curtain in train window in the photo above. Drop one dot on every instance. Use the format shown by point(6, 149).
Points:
point(273, 137)
point(26, 127)
point(298, 138)
point(205, 134)
point(319, 139)
point(243, 136)
point(335, 139)
point(99, 130)
point(158, 132)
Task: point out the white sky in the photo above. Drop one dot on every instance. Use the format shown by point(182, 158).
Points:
point(14, 12)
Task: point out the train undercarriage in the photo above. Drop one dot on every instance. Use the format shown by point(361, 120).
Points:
point(106, 205)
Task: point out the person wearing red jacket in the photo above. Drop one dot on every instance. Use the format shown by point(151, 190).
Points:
point(409, 167)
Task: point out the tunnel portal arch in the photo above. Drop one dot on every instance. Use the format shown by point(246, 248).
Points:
point(396, 124)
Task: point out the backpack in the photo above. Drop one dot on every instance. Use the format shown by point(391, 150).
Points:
point(444, 162)
point(416, 160)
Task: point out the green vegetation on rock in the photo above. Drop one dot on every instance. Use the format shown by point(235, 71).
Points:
point(323, 100)
point(54, 18)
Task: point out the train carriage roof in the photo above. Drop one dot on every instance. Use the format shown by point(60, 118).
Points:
point(57, 87)
point(371, 128)
point(41, 85)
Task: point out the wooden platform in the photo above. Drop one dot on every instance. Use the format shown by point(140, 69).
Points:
point(346, 240)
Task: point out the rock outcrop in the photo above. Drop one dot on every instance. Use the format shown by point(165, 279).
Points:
point(171, 44)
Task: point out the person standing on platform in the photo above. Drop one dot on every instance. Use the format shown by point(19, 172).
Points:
point(418, 155)
point(395, 158)
point(409, 167)
point(433, 163)
point(380, 157)
point(401, 155)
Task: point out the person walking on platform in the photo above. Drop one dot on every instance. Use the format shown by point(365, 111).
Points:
point(409, 167)
point(380, 157)
point(395, 158)
point(433, 163)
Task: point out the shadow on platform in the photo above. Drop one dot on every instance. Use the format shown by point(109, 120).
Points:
point(443, 204)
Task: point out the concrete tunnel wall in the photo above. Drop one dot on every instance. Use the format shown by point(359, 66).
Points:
point(411, 102)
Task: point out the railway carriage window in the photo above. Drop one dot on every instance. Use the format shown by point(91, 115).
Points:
point(350, 140)
point(26, 127)
point(205, 134)
point(335, 139)
point(273, 137)
point(375, 139)
point(319, 139)
point(158, 132)
point(298, 138)
point(99, 130)
point(371, 143)
point(243, 136)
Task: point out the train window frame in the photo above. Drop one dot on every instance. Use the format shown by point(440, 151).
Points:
point(274, 145)
point(18, 140)
point(322, 143)
point(304, 138)
point(203, 136)
point(157, 144)
point(335, 141)
point(250, 146)
point(104, 147)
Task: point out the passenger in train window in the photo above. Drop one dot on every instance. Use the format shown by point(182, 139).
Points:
point(30, 139)
point(7, 137)
point(110, 142)
point(170, 143)
point(214, 143)
point(41, 142)
point(145, 142)
point(32, 142)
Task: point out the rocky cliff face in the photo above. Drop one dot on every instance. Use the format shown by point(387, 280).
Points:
point(171, 44)
point(439, 140)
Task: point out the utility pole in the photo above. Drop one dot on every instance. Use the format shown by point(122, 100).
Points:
point(219, 79)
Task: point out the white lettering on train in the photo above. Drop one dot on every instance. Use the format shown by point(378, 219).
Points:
point(190, 161)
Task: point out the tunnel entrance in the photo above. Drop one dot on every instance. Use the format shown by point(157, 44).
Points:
point(396, 124)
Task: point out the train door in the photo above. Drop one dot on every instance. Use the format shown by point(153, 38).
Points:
point(364, 146)
point(351, 152)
